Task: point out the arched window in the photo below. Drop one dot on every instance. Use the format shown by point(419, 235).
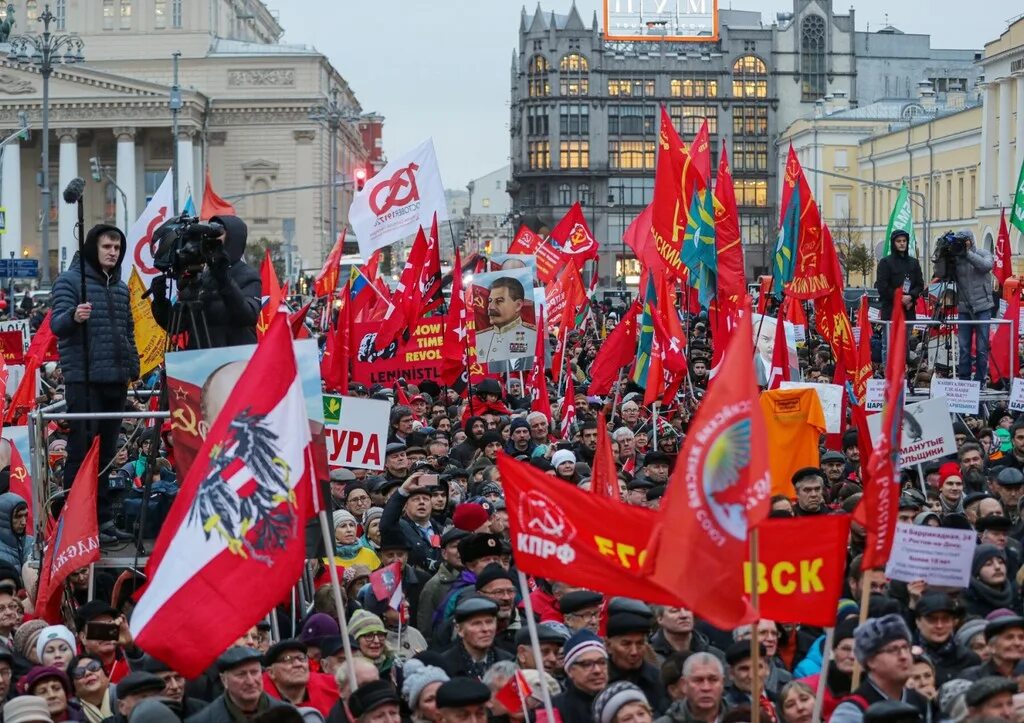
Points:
point(584, 193)
point(537, 77)
point(812, 57)
point(574, 75)
point(749, 78)
point(564, 195)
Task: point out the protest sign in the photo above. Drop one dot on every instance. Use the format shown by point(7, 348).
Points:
point(963, 395)
point(505, 317)
point(19, 326)
point(831, 398)
point(938, 555)
point(874, 397)
point(12, 347)
point(927, 431)
point(356, 431)
point(415, 360)
point(1017, 395)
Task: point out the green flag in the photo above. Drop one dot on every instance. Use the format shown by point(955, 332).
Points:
point(901, 219)
point(1017, 214)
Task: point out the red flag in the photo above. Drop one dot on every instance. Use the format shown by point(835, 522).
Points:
point(1001, 348)
point(669, 343)
point(604, 481)
point(568, 409)
point(719, 490)
point(430, 278)
point(780, 352)
point(272, 292)
point(327, 280)
point(75, 541)
point(386, 583)
point(813, 265)
point(732, 280)
point(232, 545)
point(514, 693)
point(618, 350)
point(640, 238)
point(564, 297)
point(456, 329)
point(585, 540)
point(297, 321)
point(526, 242)
point(1002, 269)
point(540, 400)
point(44, 342)
point(406, 311)
point(400, 396)
point(700, 152)
point(334, 366)
point(724, 313)
point(42, 348)
point(764, 293)
point(668, 213)
point(882, 491)
point(214, 205)
point(572, 237)
point(862, 370)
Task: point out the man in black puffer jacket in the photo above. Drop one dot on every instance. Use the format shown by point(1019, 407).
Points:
point(899, 270)
point(230, 293)
point(105, 319)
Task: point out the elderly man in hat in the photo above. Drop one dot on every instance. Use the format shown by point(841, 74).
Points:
point(474, 651)
point(244, 698)
point(287, 677)
point(585, 661)
point(174, 686)
point(626, 640)
point(375, 702)
point(809, 483)
point(991, 698)
point(833, 464)
point(462, 700)
point(498, 585)
point(551, 639)
point(882, 647)
point(1004, 638)
point(581, 609)
point(476, 551)
point(135, 688)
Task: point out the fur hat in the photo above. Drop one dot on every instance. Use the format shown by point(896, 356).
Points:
point(876, 633)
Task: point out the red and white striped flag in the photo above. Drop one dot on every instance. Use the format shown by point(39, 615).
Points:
point(568, 409)
point(238, 519)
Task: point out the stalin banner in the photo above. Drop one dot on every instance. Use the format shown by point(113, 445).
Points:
point(415, 360)
point(504, 313)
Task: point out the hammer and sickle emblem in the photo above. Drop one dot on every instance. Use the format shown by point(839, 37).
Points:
point(403, 178)
point(185, 420)
point(19, 473)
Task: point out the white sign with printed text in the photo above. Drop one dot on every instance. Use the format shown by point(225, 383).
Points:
point(356, 430)
point(938, 555)
point(927, 431)
point(964, 395)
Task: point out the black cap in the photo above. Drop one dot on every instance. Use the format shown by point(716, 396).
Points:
point(472, 605)
point(370, 696)
point(275, 651)
point(139, 682)
point(573, 602)
point(478, 545)
point(493, 572)
point(984, 688)
point(393, 539)
point(891, 711)
point(1002, 624)
point(452, 534)
point(936, 602)
point(1010, 477)
point(973, 497)
point(235, 656)
point(656, 457)
point(621, 604)
point(740, 651)
point(460, 692)
point(150, 664)
point(6, 654)
point(545, 634)
point(627, 623)
point(993, 522)
point(394, 448)
point(910, 502)
point(92, 610)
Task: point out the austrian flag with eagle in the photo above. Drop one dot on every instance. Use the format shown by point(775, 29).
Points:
point(238, 519)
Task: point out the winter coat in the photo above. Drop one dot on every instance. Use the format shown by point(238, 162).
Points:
point(679, 712)
point(232, 308)
point(648, 679)
point(218, 711)
point(422, 554)
point(434, 591)
point(113, 358)
point(574, 705)
point(893, 272)
point(698, 644)
point(949, 658)
point(974, 281)
point(14, 549)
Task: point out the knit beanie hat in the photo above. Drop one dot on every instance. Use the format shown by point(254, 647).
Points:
point(562, 455)
point(53, 632)
point(418, 675)
point(611, 700)
point(341, 516)
point(984, 553)
point(26, 636)
point(968, 630)
point(374, 513)
point(951, 698)
point(582, 641)
point(363, 622)
point(876, 633)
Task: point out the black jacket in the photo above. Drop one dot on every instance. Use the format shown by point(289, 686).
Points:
point(574, 705)
point(218, 711)
point(458, 663)
point(893, 271)
point(648, 679)
point(231, 307)
point(113, 358)
point(422, 554)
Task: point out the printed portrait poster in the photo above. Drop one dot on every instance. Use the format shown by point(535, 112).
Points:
point(200, 381)
point(505, 317)
point(764, 343)
point(510, 262)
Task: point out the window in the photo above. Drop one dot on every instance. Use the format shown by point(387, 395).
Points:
point(632, 191)
point(544, 194)
point(529, 195)
point(842, 159)
point(750, 155)
point(160, 14)
point(574, 75)
point(749, 78)
point(583, 193)
point(631, 87)
point(574, 154)
point(687, 118)
point(61, 14)
point(126, 14)
point(537, 121)
point(539, 154)
point(176, 13)
point(751, 192)
point(812, 57)
point(637, 155)
point(632, 120)
point(750, 120)
point(755, 229)
point(31, 11)
point(261, 203)
point(574, 119)
point(108, 14)
point(693, 88)
point(564, 194)
point(537, 77)
point(841, 205)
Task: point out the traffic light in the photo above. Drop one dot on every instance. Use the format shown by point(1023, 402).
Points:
point(23, 125)
point(360, 178)
point(94, 166)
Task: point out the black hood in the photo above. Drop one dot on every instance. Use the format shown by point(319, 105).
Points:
point(90, 249)
point(237, 235)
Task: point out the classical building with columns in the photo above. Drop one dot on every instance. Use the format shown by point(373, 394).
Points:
point(247, 107)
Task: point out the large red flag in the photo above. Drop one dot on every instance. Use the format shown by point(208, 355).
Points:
point(525, 242)
point(700, 151)
point(718, 491)
point(238, 519)
point(407, 296)
point(43, 344)
point(1003, 351)
point(562, 533)
point(214, 205)
point(862, 370)
point(540, 400)
point(728, 240)
point(882, 491)
point(327, 280)
point(75, 541)
point(780, 352)
point(430, 277)
point(567, 411)
point(618, 350)
point(668, 212)
point(604, 481)
point(1002, 267)
point(572, 237)
point(272, 292)
point(456, 329)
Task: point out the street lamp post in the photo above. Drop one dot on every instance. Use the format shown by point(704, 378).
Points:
point(45, 51)
point(332, 113)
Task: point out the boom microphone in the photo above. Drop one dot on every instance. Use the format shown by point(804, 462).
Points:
point(73, 193)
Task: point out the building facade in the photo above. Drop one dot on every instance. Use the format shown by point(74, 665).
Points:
point(585, 110)
point(247, 103)
point(488, 219)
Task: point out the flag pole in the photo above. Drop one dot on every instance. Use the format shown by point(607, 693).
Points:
point(538, 658)
point(826, 655)
point(755, 642)
point(654, 426)
point(866, 576)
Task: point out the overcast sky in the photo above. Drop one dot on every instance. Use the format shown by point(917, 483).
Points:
point(441, 68)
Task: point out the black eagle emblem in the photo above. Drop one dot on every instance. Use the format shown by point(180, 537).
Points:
point(220, 508)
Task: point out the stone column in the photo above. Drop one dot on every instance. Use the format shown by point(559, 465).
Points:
point(307, 244)
point(67, 214)
point(1019, 80)
point(10, 198)
point(984, 172)
point(127, 209)
point(1004, 184)
point(186, 170)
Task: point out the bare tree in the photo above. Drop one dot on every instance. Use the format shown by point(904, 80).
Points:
point(853, 255)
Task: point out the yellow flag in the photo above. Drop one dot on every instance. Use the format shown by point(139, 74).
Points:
point(150, 339)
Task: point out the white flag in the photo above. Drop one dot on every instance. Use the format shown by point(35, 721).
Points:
point(398, 200)
point(159, 209)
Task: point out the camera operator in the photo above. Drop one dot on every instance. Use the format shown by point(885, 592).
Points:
point(113, 361)
point(229, 293)
point(899, 270)
point(974, 302)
